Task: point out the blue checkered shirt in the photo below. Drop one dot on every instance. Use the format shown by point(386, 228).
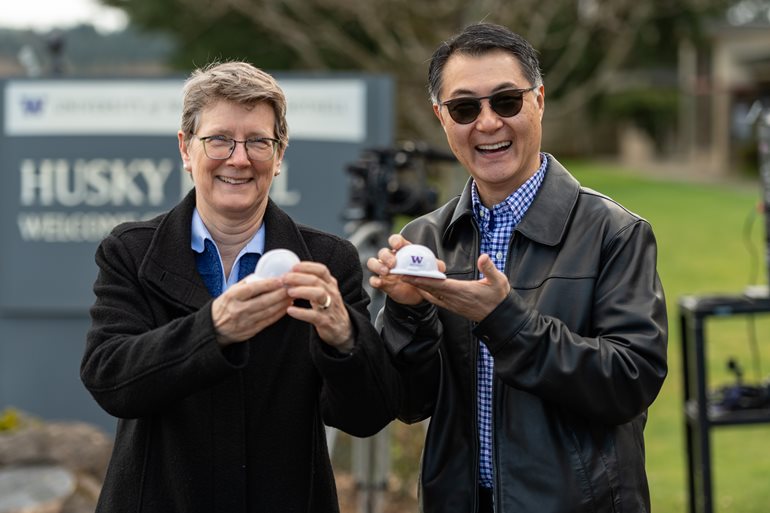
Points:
point(496, 226)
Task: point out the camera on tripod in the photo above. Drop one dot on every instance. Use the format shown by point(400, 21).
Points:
point(385, 182)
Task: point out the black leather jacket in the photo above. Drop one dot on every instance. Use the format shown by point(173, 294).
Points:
point(579, 348)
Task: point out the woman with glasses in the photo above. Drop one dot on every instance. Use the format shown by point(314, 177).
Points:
point(538, 356)
point(222, 385)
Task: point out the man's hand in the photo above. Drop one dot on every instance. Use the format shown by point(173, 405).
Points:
point(473, 300)
point(394, 285)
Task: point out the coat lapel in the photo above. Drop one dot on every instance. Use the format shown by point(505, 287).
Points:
point(169, 264)
point(547, 218)
point(282, 232)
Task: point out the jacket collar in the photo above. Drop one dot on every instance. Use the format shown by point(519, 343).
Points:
point(546, 219)
point(169, 263)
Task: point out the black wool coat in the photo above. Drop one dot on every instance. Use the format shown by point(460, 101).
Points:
point(203, 429)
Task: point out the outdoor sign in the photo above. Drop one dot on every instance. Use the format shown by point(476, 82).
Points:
point(79, 156)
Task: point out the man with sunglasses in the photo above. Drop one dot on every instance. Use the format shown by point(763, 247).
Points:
point(538, 356)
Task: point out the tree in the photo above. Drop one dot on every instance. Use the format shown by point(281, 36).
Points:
point(584, 44)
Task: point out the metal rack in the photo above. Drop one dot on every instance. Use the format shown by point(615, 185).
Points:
point(699, 417)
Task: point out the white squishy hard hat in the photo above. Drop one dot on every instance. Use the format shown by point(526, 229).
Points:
point(273, 263)
point(417, 260)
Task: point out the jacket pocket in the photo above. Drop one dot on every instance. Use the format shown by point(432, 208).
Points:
point(591, 451)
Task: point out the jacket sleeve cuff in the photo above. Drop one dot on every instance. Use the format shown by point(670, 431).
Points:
point(411, 332)
point(330, 356)
point(228, 357)
point(503, 323)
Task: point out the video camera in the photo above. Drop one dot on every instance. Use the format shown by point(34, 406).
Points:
point(385, 182)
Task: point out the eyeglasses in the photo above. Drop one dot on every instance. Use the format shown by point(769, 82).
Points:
point(505, 103)
point(220, 147)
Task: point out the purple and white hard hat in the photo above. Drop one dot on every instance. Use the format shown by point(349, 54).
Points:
point(417, 260)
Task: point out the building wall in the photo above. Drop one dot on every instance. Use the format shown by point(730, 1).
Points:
point(716, 83)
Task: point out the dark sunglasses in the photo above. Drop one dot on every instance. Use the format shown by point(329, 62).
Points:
point(505, 103)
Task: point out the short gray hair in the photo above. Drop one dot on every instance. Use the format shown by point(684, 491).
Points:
point(238, 82)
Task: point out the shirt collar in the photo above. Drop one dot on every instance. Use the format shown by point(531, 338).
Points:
point(201, 233)
point(516, 203)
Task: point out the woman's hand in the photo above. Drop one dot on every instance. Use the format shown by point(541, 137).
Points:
point(245, 309)
point(313, 281)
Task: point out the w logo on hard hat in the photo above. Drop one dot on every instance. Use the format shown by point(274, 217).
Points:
point(416, 259)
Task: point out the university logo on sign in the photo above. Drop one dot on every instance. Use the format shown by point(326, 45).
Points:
point(32, 106)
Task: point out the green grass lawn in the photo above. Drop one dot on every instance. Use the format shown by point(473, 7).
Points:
point(706, 245)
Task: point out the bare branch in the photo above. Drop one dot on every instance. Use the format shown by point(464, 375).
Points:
point(399, 36)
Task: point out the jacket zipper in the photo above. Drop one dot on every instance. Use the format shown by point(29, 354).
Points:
point(477, 445)
point(495, 473)
point(475, 369)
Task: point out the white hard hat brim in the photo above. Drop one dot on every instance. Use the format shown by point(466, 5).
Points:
point(422, 274)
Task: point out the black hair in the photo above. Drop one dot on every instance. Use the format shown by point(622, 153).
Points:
point(478, 39)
